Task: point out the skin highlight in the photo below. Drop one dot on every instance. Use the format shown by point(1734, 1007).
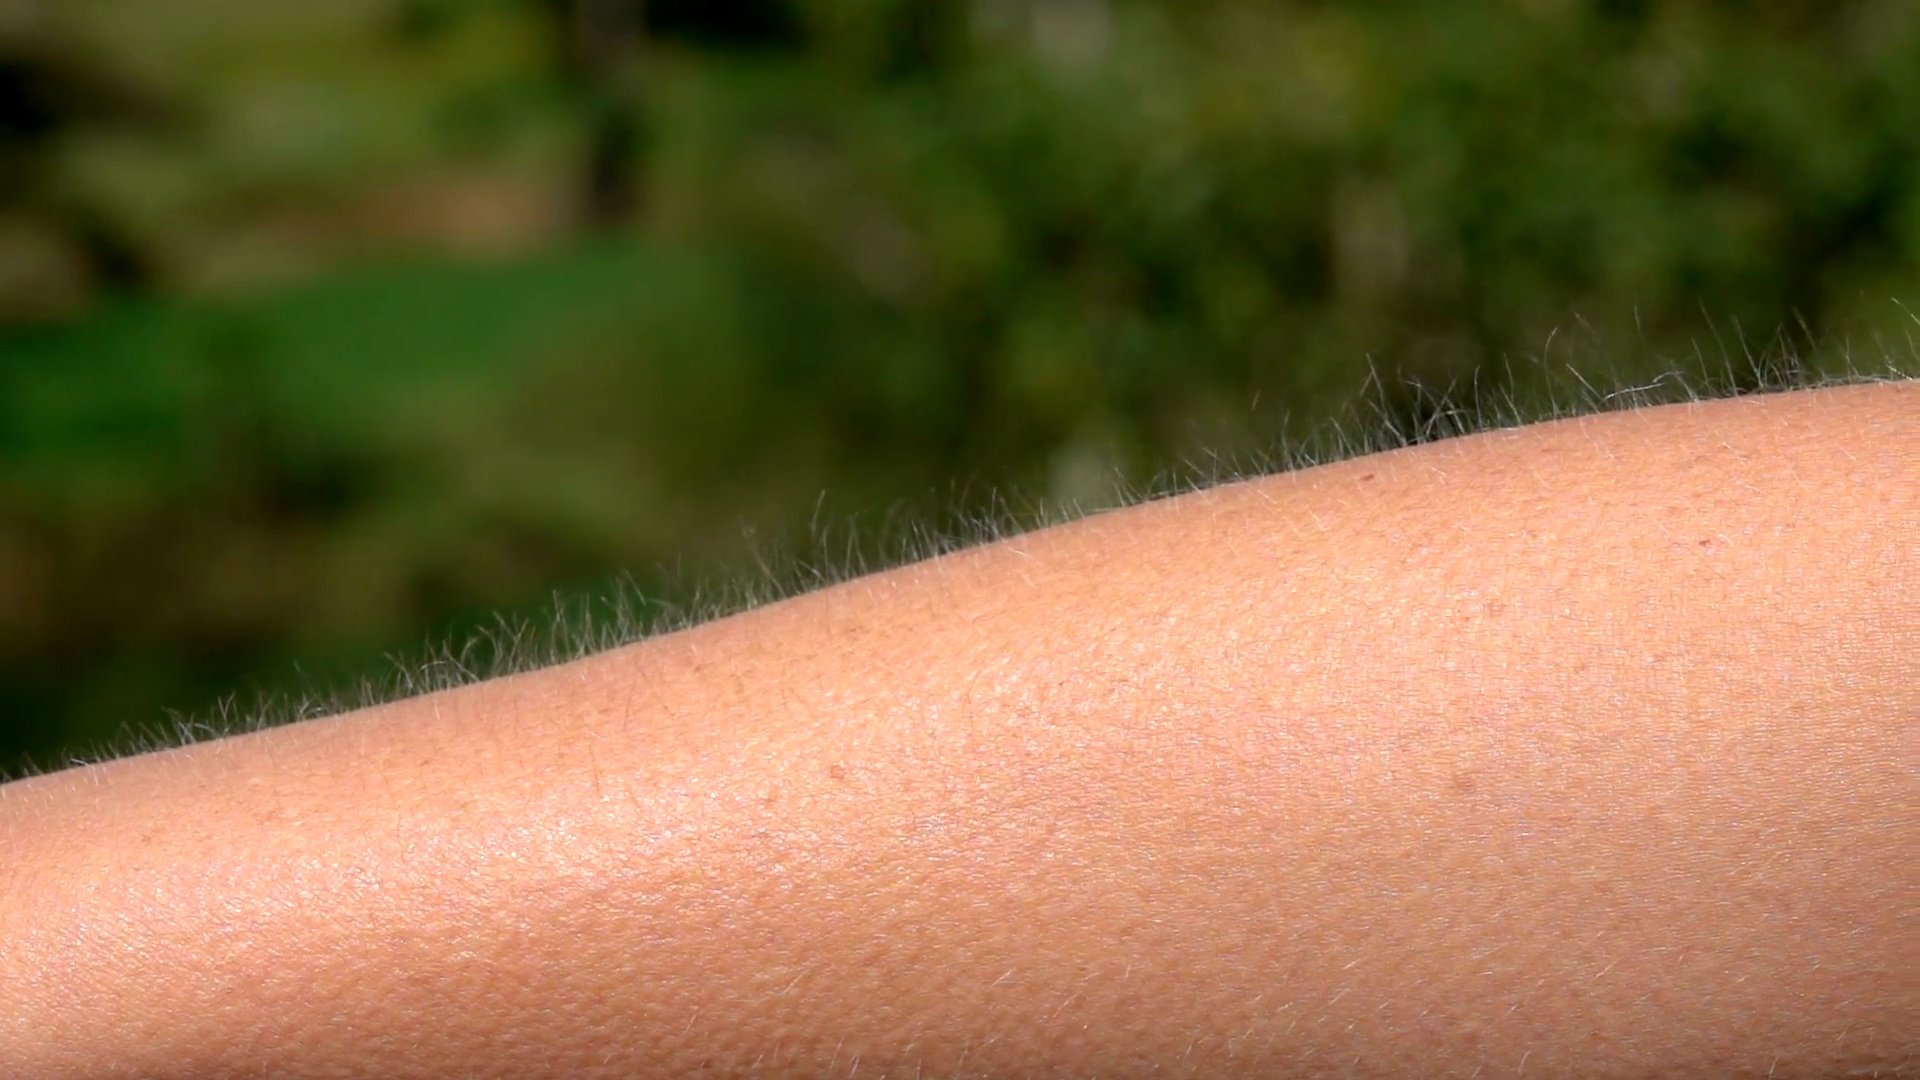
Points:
point(1581, 749)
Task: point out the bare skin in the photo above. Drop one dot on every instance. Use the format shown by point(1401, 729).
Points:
point(1581, 749)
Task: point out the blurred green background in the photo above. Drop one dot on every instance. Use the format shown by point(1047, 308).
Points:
point(330, 329)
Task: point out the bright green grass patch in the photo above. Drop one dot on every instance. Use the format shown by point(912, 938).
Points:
point(357, 357)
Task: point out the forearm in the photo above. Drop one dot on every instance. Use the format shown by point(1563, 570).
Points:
point(1586, 748)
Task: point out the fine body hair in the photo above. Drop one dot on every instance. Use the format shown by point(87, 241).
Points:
point(1388, 413)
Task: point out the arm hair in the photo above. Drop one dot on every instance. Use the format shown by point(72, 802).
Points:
point(581, 626)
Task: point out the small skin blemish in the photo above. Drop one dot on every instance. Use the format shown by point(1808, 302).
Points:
point(1365, 477)
point(837, 771)
point(1708, 542)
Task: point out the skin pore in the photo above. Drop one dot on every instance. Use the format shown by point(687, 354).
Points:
point(1582, 749)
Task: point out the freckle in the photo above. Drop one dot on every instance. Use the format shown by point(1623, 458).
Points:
point(1366, 477)
point(1462, 783)
point(836, 772)
point(1707, 542)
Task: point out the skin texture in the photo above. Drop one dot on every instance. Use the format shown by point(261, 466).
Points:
point(1580, 749)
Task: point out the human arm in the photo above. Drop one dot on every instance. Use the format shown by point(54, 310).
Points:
point(1580, 749)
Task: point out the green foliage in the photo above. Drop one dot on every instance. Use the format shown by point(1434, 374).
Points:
point(311, 358)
